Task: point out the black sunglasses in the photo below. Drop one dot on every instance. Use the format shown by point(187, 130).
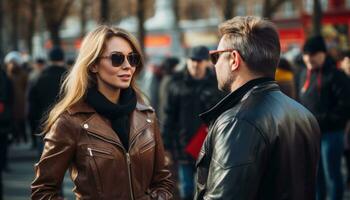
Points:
point(118, 58)
point(215, 54)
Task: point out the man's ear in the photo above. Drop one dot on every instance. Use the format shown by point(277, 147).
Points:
point(235, 60)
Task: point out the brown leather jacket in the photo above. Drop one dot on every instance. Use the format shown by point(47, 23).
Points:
point(100, 167)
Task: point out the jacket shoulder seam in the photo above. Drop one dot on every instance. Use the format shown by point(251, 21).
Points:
point(261, 132)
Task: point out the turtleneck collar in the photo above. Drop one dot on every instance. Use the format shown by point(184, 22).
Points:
point(112, 110)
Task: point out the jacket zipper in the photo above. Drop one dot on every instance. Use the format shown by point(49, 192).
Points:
point(127, 155)
point(128, 161)
point(90, 150)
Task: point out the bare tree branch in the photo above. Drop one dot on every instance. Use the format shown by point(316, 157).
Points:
point(141, 17)
point(270, 7)
point(53, 18)
point(104, 11)
point(65, 11)
point(1, 28)
point(228, 9)
point(317, 18)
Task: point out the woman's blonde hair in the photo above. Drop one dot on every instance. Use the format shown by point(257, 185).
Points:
point(79, 79)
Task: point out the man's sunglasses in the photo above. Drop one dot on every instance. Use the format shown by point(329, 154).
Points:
point(118, 58)
point(215, 54)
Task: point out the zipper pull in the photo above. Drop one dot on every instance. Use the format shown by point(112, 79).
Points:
point(90, 151)
point(128, 158)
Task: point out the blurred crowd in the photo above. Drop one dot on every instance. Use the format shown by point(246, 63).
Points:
point(179, 89)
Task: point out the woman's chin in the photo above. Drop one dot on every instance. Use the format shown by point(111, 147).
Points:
point(123, 85)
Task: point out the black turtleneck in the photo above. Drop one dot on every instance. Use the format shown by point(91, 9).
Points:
point(231, 99)
point(117, 113)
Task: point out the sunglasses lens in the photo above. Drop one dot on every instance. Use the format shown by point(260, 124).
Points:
point(214, 57)
point(134, 59)
point(117, 59)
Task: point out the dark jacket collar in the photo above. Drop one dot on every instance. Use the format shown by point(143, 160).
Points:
point(232, 99)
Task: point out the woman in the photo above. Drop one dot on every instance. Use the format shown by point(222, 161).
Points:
point(101, 130)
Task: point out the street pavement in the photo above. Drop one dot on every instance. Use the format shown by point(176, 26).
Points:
point(17, 180)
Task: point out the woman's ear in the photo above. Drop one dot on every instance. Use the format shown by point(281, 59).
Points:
point(93, 68)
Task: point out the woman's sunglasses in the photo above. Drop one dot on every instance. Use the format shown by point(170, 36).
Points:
point(118, 58)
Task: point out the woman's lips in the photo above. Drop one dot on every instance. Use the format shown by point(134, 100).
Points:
point(124, 77)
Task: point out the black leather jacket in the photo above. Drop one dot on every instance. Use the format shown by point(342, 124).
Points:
point(261, 145)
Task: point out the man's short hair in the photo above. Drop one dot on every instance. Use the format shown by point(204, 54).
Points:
point(256, 40)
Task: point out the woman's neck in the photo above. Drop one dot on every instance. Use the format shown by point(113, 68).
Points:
point(112, 94)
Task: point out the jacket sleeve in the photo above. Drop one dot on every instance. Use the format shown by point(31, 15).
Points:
point(162, 186)
point(239, 154)
point(58, 153)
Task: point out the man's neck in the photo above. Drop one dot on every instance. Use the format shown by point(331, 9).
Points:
point(243, 79)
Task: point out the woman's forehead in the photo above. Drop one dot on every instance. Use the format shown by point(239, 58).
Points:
point(118, 44)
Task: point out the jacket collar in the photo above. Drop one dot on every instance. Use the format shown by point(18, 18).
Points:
point(83, 107)
point(235, 97)
point(100, 127)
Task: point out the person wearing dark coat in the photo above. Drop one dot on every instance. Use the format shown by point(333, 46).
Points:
point(324, 90)
point(261, 144)
point(190, 92)
point(45, 90)
point(6, 101)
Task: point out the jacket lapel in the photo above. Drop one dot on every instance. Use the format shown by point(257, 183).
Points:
point(139, 120)
point(101, 128)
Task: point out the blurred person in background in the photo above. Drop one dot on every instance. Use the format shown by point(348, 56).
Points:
point(190, 92)
point(168, 66)
point(37, 67)
point(102, 130)
point(168, 69)
point(333, 51)
point(285, 78)
point(70, 63)
point(344, 65)
point(44, 90)
point(18, 76)
point(324, 90)
point(6, 100)
point(150, 80)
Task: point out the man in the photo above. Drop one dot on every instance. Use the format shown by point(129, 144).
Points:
point(34, 74)
point(190, 92)
point(44, 92)
point(324, 90)
point(18, 77)
point(261, 144)
point(168, 69)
